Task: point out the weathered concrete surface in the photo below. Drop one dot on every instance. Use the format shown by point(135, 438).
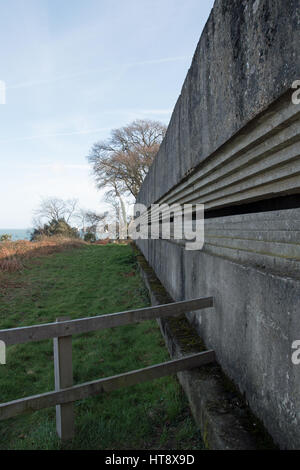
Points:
point(224, 419)
point(247, 57)
point(261, 160)
point(234, 140)
point(255, 322)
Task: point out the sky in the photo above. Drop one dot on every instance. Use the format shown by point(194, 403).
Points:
point(74, 70)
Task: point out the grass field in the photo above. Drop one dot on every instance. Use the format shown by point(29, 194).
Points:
point(85, 281)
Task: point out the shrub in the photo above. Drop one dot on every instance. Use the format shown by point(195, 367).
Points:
point(90, 237)
point(5, 237)
point(55, 228)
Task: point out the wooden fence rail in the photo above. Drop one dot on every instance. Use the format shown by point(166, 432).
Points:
point(108, 384)
point(85, 325)
point(65, 393)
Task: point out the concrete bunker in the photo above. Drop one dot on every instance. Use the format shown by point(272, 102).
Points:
point(233, 144)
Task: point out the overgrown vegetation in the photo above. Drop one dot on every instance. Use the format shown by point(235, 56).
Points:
point(91, 280)
point(55, 228)
point(5, 237)
point(13, 255)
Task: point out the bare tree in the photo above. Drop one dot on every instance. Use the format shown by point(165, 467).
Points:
point(55, 209)
point(122, 162)
point(97, 222)
point(94, 218)
point(81, 216)
point(115, 199)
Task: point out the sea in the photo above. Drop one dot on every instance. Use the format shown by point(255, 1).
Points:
point(17, 233)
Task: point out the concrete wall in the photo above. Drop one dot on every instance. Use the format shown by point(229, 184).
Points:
point(247, 57)
point(233, 141)
point(255, 320)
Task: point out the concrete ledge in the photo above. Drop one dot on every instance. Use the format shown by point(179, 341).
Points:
point(224, 419)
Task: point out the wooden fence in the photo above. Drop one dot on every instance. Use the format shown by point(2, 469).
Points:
point(65, 393)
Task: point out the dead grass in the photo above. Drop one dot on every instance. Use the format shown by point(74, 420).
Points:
point(13, 254)
point(105, 241)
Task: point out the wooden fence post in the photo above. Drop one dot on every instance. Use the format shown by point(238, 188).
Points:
point(63, 372)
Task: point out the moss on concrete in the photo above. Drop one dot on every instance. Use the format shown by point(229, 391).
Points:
point(182, 339)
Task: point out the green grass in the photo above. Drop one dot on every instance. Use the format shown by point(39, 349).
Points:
point(88, 281)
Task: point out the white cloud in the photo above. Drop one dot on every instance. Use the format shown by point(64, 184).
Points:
point(58, 78)
point(157, 111)
point(58, 134)
point(157, 61)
